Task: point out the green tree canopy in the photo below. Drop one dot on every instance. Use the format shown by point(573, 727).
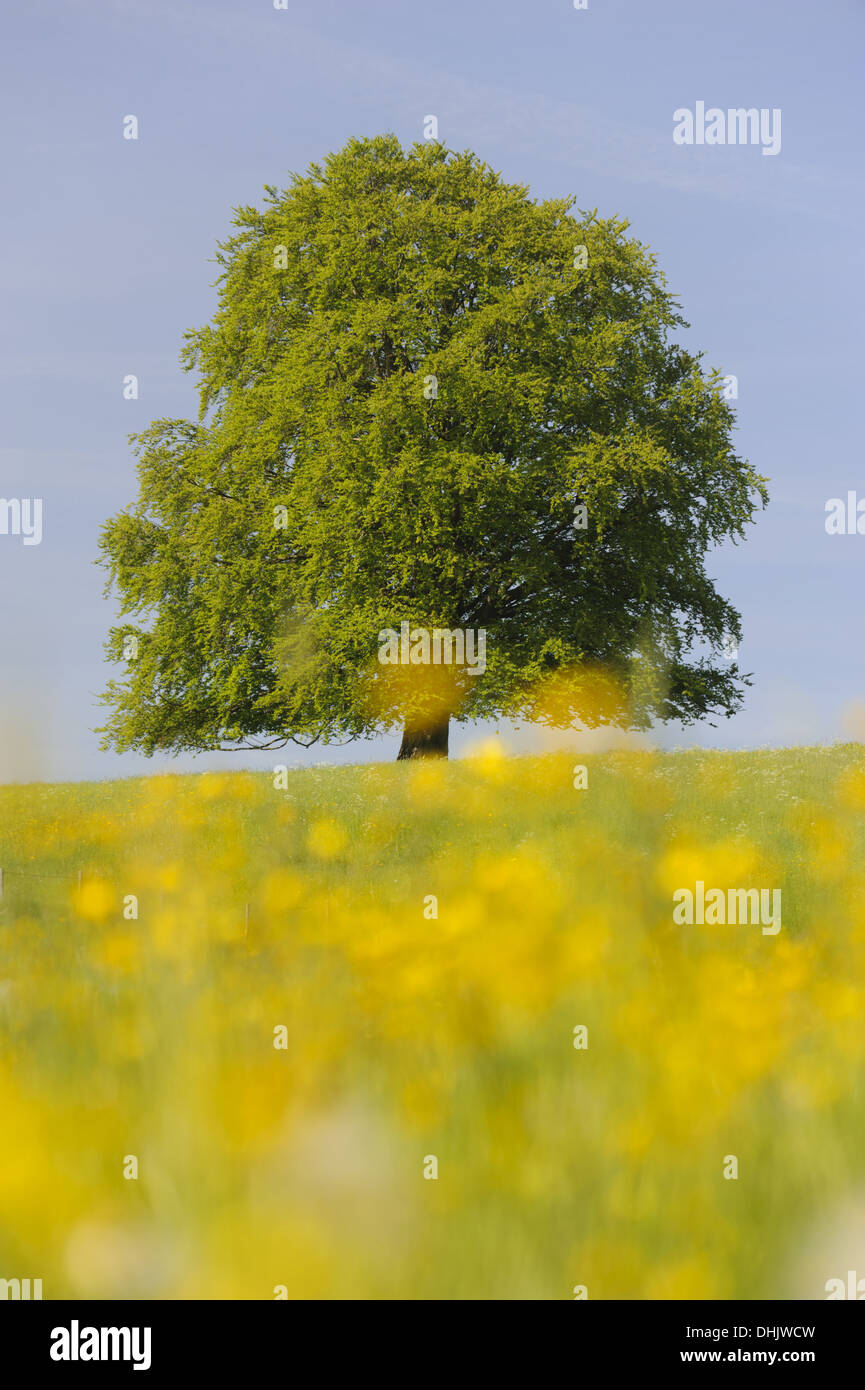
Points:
point(426, 397)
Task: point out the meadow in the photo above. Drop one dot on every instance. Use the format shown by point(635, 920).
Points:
point(429, 1031)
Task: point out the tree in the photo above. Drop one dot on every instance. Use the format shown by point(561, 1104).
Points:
point(427, 399)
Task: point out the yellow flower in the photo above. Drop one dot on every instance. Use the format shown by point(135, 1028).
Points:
point(687, 1278)
point(283, 890)
point(119, 952)
point(96, 900)
point(326, 839)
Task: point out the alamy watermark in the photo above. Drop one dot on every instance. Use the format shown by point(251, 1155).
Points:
point(22, 516)
point(735, 126)
point(845, 519)
point(854, 1288)
point(737, 906)
point(20, 1289)
point(422, 646)
point(76, 1343)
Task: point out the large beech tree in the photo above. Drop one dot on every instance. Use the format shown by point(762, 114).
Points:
point(426, 397)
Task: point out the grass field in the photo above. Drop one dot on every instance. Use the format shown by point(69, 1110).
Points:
point(285, 1036)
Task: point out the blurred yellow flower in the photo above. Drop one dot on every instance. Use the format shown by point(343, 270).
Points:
point(96, 900)
point(326, 838)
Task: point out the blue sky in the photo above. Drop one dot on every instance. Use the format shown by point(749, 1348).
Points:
point(108, 258)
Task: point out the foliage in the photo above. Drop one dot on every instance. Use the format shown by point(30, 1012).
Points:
point(324, 494)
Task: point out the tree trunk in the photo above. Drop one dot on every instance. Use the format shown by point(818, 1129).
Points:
point(430, 742)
